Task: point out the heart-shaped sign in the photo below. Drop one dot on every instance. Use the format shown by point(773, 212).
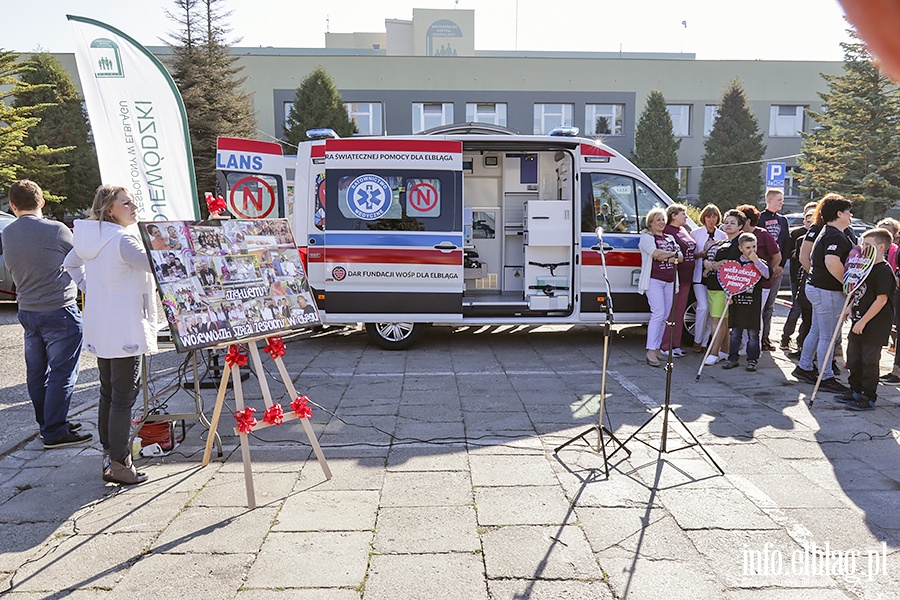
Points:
point(857, 267)
point(737, 278)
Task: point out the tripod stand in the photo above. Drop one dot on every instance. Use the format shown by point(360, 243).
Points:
point(666, 409)
point(607, 325)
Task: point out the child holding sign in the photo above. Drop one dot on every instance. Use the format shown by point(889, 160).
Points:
point(746, 307)
point(871, 311)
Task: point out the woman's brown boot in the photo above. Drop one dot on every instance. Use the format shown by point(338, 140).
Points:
point(125, 473)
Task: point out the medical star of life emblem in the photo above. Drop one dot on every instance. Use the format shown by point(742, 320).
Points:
point(369, 197)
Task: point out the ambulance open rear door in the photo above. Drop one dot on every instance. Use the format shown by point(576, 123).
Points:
point(393, 248)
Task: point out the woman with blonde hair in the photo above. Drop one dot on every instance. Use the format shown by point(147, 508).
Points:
point(109, 264)
point(707, 237)
point(660, 256)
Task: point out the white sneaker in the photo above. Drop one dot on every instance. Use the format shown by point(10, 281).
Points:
point(711, 360)
point(723, 356)
point(677, 352)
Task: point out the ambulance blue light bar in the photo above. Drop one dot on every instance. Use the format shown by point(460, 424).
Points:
point(564, 132)
point(321, 134)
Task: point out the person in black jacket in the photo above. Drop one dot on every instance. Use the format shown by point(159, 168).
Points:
point(801, 309)
point(777, 226)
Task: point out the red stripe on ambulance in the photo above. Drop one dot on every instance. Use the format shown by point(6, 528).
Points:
point(388, 256)
point(591, 258)
point(391, 145)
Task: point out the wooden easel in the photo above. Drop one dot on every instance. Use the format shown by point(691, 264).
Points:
point(289, 415)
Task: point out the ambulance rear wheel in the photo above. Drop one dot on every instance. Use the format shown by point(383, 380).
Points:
point(690, 320)
point(394, 336)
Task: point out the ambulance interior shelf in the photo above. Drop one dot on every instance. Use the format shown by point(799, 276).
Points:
point(548, 247)
point(548, 285)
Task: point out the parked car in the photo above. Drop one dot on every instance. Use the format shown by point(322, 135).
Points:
point(858, 225)
point(7, 288)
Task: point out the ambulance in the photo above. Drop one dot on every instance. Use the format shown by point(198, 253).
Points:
point(470, 224)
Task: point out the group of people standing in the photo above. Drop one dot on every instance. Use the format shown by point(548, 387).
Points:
point(104, 257)
point(674, 257)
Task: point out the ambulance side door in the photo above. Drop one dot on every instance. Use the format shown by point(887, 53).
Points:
point(617, 204)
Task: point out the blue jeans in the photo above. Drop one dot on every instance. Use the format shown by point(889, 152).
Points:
point(826, 310)
point(734, 344)
point(52, 351)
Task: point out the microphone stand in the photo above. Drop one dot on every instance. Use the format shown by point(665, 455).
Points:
point(607, 333)
point(666, 409)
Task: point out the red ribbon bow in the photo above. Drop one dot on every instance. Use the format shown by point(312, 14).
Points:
point(274, 415)
point(301, 407)
point(215, 205)
point(235, 356)
point(275, 347)
point(245, 420)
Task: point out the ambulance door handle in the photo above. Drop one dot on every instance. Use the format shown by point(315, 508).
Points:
point(446, 246)
point(603, 248)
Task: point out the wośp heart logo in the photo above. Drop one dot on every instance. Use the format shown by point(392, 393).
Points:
point(737, 278)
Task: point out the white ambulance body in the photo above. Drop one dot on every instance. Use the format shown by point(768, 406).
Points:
point(470, 225)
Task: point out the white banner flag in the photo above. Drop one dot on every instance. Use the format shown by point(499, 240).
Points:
point(138, 121)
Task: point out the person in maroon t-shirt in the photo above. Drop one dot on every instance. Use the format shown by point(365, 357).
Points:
point(660, 256)
point(676, 217)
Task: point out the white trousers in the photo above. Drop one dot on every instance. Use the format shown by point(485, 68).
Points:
point(702, 330)
point(659, 295)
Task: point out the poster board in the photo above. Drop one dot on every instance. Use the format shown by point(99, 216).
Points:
point(223, 281)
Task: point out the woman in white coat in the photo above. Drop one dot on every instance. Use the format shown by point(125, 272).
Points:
point(109, 263)
point(660, 255)
point(706, 236)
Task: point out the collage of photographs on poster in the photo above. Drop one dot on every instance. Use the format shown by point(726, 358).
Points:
point(222, 281)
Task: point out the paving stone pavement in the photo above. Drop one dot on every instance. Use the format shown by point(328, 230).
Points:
point(446, 485)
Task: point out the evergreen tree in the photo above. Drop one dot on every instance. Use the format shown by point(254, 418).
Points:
point(732, 167)
point(63, 124)
point(317, 104)
point(209, 80)
point(855, 151)
point(655, 147)
point(19, 159)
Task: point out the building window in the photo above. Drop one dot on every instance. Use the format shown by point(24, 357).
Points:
point(709, 118)
point(681, 119)
point(786, 121)
point(792, 180)
point(603, 119)
point(426, 115)
point(486, 112)
point(287, 113)
point(551, 116)
point(367, 116)
point(683, 174)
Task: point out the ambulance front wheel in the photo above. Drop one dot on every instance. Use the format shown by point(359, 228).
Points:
point(395, 336)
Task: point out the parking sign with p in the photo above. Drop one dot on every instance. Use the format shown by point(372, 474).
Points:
point(775, 172)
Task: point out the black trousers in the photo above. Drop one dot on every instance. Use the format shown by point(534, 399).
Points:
point(862, 360)
point(119, 379)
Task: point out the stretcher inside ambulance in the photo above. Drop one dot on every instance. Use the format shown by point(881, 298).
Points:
point(469, 225)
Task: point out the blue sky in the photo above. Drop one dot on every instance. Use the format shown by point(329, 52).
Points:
point(716, 29)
